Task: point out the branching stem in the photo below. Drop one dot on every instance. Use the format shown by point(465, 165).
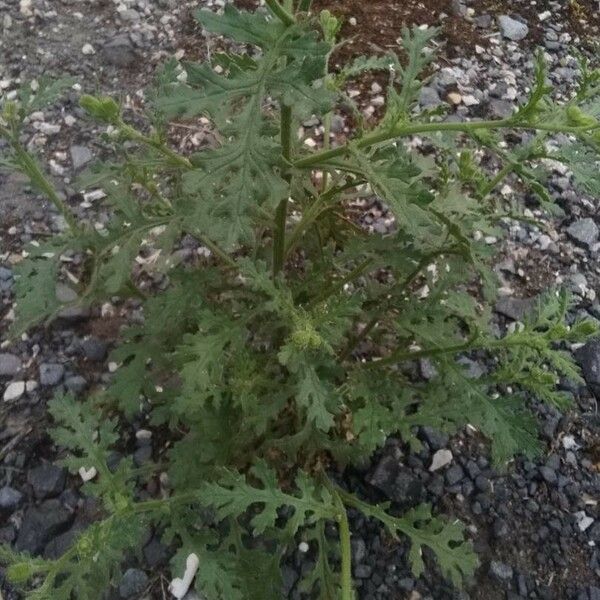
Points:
point(404, 130)
point(346, 549)
point(281, 13)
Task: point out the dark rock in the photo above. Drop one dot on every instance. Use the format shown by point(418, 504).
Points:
point(514, 308)
point(47, 480)
point(133, 583)
point(454, 474)
point(40, 524)
point(94, 348)
point(10, 364)
point(10, 499)
point(588, 357)
point(396, 481)
point(61, 543)
point(436, 439)
point(289, 577)
point(155, 553)
point(51, 374)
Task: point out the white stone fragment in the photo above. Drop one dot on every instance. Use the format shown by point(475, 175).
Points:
point(14, 391)
point(88, 50)
point(583, 520)
point(440, 459)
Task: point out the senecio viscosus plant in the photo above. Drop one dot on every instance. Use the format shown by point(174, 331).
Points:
point(287, 352)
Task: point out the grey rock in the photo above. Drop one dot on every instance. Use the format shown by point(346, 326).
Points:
point(500, 570)
point(51, 373)
point(594, 532)
point(133, 583)
point(5, 274)
point(67, 295)
point(119, 51)
point(363, 571)
point(512, 29)
point(10, 364)
point(40, 524)
point(76, 384)
point(80, 156)
point(94, 348)
point(483, 21)
point(142, 455)
point(289, 578)
point(548, 474)
point(359, 550)
point(500, 109)
point(10, 499)
point(47, 480)
point(584, 231)
point(58, 545)
point(429, 98)
point(500, 528)
point(337, 124)
point(514, 308)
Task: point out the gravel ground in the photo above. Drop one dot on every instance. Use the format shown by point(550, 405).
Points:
point(537, 525)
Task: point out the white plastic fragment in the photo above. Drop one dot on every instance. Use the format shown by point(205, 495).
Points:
point(179, 587)
point(87, 474)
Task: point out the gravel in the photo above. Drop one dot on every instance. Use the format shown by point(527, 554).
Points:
point(512, 29)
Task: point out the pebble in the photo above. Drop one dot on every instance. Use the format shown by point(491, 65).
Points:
point(10, 365)
point(133, 583)
point(47, 480)
point(42, 523)
point(512, 29)
point(51, 374)
point(584, 231)
point(500, 570)
point(440, 459)
point(14, 391)
point(10, 499)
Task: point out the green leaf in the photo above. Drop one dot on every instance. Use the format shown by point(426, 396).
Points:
point(233, 495)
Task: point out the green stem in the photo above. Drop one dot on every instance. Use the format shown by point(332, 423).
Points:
point(39, 180)
point(339, 285)
point(502, 173)
point(281, 13)
point(281, 213)
point(134, 134)
point(386, 135)
point(346, 550)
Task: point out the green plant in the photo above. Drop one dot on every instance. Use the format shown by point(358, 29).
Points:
point(288, 351)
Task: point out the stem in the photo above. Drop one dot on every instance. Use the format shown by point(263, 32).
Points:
point(134, 134)
point(346, 548)
point(37, 177)
point(281, 213)
point(326, 146)
point(281, 13)
point(339, 285)
point(379, 137)
point(502, 173)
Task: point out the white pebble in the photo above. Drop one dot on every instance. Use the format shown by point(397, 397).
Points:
point(14, 391)
point(88, 50)
point(440, 459)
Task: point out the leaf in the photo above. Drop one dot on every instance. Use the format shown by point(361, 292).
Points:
point(446, 539)
point(35, 289)
point(245, 172)
point(316, 396)
point(233, 495)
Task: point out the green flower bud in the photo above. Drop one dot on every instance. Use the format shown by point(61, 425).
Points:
point(19, 572)
point(104, 109)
